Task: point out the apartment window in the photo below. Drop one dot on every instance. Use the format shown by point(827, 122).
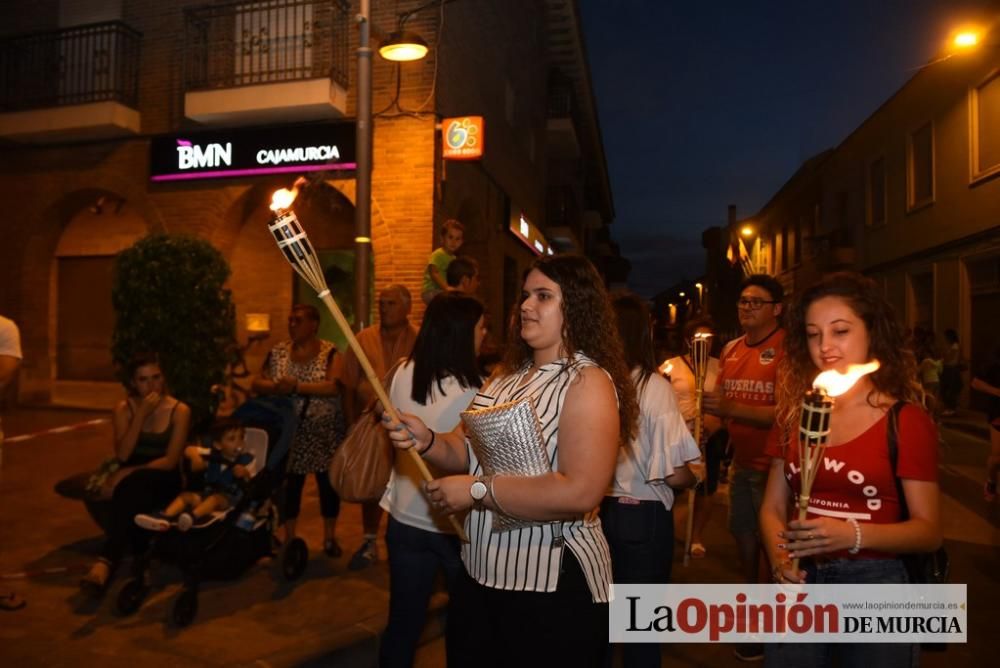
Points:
point(920, 167)
point(984, 135)
point(876, 192)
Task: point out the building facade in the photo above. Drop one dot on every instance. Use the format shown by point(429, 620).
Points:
point(911, 198)
point(119, 118)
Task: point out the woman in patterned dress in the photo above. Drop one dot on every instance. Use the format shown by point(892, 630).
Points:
point(302, 368)
point(544, 587)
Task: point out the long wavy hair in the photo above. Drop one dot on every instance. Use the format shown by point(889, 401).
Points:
point(896, 378)
point(445, 345)
point(588, 327)
point(637, 337)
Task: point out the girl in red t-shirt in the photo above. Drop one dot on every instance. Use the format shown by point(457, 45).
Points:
point(855, 528)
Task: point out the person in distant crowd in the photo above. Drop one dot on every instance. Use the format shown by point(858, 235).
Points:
point(303, 367)
point(853, 533)
point(989, 383)
point(463, 275)
point(150, 430)
point(10, 362)
point(436, 383)
point(544, 586)
point(435, 274)
point(637, 512)
point(384, 344)
point(951, 373)
point(745, 399)
point(930, 366)
point(714, 437)
point(223, 465)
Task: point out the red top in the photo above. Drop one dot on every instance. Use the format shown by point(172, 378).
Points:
point(747, 376)
point(855, 478)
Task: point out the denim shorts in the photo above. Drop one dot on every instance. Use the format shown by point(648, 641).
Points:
point(824, 655)
point(746, 493)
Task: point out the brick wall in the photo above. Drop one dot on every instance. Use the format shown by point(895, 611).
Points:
point(46, 187)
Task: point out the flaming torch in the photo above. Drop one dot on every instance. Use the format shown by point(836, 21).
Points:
point(700, 345)
point(814, 425)
point(294, 243)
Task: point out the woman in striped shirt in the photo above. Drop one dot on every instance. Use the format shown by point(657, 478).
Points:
point(544, 587)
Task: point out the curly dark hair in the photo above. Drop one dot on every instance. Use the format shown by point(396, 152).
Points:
point(589, 326)
point(896, 378)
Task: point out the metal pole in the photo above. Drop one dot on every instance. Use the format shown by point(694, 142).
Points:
point(363, 177)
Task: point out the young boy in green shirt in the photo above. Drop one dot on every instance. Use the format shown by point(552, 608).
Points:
point(452, 236)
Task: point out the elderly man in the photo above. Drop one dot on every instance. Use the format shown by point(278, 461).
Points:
point(393, 337)
point(10, 361)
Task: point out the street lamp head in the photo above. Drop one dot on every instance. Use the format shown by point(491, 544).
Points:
point(403, 47)
point(747, 231)
point(698, 285)
point(965, 39)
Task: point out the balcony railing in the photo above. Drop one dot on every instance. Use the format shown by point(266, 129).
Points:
point(92, 63)
point(267, 41)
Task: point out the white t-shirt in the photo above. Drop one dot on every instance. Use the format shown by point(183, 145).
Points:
point(10, 345)
point(10, 338)
point(662, 444)
point(402, 498)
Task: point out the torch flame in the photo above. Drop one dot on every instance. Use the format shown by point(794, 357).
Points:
point(834, 383)
point(282, 199)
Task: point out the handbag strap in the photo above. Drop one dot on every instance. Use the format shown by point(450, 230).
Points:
point(892, 434)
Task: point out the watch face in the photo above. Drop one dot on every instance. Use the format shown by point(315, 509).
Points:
point(478, 490)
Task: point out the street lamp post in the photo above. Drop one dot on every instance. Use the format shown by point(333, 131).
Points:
point(363, 177)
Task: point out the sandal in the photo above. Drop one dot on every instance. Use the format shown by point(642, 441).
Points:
point(11, 601)
point(92, 583)
point(697, 551)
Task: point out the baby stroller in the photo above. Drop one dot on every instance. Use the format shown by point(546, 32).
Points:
point(229, 542)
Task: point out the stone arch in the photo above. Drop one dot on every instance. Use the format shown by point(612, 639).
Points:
point(261, 280)
point(93, 221)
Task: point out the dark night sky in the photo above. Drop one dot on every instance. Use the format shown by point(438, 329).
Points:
point(703, 104)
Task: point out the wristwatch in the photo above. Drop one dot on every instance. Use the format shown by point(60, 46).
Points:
point(479, 490)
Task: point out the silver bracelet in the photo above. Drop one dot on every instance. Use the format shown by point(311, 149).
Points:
point(496, 501)
point(857, 536)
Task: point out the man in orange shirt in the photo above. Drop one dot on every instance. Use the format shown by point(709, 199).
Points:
point(745, 399)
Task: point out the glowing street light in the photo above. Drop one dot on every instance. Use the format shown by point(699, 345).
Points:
point(966, 39)
point(747, 231)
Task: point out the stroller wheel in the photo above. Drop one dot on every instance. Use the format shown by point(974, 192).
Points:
point(185, 608)
point(294, 557)
point(131, 596)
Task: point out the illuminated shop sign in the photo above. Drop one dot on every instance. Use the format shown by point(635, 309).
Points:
point(251, 152)
point(462, 138)
point(530, 236)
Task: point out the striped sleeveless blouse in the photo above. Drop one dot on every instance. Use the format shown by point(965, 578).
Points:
point(529, 559)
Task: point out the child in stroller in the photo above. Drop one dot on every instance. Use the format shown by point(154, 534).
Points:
point(223, 547)
point(225, 464)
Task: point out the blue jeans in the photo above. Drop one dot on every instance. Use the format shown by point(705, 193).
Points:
point(641, 539)
point(415, 557)
point(819, 655)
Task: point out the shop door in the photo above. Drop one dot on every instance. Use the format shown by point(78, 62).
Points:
point(85, 319)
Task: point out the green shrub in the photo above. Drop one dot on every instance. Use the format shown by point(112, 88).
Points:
point(169, 298)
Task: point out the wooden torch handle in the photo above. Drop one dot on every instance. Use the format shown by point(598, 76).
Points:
point(380, 392)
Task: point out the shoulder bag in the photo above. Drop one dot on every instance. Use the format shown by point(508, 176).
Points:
point(360, 467)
